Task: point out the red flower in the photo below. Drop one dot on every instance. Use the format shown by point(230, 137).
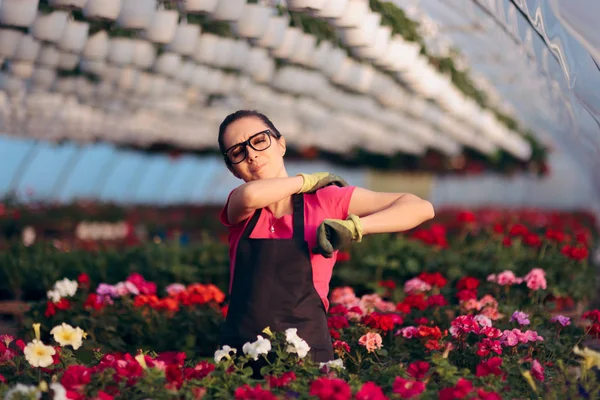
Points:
point(334, 334)
point(437, 300)
point(532, 240)
point(518, 230)
point(330, 389)
point(487, 345)
point(200, 371)
point(174, 377)
point(421, 321)
point(433, 279)
point(84, 280)
point(337, 322)
point(483, 395)
point(418, 369)
point(417, 301)
point(378, 321)
point(498, 228)
point(283, 380)
point(224, 310)
point(50, 309)
point(489, 367)
point(466, 294)
point(555, 236)
point(468, 283)
point(2, 378)
point(93, 302)
point(403, 308)
point(407, 389)
point(466, 217)
point(141, 284)
point(247, 392)
point(370, 391)
point(340, 346)
point(460, 391)
point(389, 284)
point(433, 345)
point(338, 309)
point(104, 396)
point(76, 377)
point(507, 241)
point(172, 358)
point(428, 331)
point(343, 256)
point(592, 315)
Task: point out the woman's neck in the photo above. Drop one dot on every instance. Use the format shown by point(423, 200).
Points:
point(282, 207)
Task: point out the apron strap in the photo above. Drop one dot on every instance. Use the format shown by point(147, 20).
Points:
point(298, 217)
point(251, 224)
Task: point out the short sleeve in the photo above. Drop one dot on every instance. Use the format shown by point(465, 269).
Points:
point(335, 200)
point(223, 215)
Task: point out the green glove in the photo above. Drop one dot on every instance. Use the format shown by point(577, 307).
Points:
point(318, 180)
point(334, 234)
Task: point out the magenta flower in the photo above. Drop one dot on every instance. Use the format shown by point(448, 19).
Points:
point(521, 317)
point(561, 319)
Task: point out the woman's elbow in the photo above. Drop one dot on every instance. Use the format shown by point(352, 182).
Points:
point(428, 210)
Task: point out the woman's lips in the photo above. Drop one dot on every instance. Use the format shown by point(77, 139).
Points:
point(257, 168)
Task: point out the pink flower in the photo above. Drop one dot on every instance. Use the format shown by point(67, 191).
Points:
point(487, 345)
point(408, 332)
point(370, 391)
point(175, 288)
point(471, 304)
point(561, 319)
point(537, 370)
point(536, 279)
point(532, 336)
point(371, 341)
point(510, 338)
point(521, 317)
point(416, 285)
point(345, 296)
point(483, 321)
point(464, 324)
point(507, 278)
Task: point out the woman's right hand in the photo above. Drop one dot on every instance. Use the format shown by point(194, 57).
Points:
point(319, 180)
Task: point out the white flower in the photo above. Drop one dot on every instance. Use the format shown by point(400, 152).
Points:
point(66, 287)
point(219, 354)
point(66, 335)
point(21, 391)
point(60, 393)
point(483, 321)
point(338, 363)
point(54, 296)
point(296, 343)
point(260, 346)
point(38, 354)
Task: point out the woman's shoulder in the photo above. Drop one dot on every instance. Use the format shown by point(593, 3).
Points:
point(334, 201)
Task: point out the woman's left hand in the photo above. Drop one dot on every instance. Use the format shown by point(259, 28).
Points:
point(335, 234)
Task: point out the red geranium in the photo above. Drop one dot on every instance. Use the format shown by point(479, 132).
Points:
point(330, 389)
point(418, 369)
point(407, 388)
point(370, 391)
point(489, 367)
point(248, 392)
point(468, 283)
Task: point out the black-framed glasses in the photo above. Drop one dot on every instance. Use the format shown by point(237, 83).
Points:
point(259, 141)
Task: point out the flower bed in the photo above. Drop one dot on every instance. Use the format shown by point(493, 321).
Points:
point(467, 338)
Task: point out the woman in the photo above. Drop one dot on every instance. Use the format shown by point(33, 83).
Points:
point(284, 233)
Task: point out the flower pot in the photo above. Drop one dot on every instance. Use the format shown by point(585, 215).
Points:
point(186, 71)
point(299, 5)
point(67, 61)
point(199, 6)
point(304, 50)
point(49, 56)
point(144, 80)
point(364, 34)
point(69, 4)
point(106, 10)
point(20, 13)
point(144, 54)
point(332, 9)
point(353, 15)
point(136, 14)
point(273, 36)
point(111, 73)
point(9, 41)
point(65, 85)
point(162, 26)
point(21, 69)
point(128, 78)
point(254, 21)
point(28, 49)
point(319, 57)
point(378, 47)
point(43, 77)
point(168, 64)
point(291, 38)
point(49, 27)
point(92, 66)
point(121, 51)
point(11, 84)
point(334, 62)
point(206, 49)
point(96, 47)
point(185, 40)
point(74, 36)
point(239, 56)
point(228, 10)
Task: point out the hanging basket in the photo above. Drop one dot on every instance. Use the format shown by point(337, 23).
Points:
point(49, 56)
point(228, 10)
point(198, 6)
point(185, 40)
point(291, 38)
point(332, 9)
point(103, 10)
point(128, 79)
point(254, 21)
point(49, 27)
point(162, 26)
point(136, 14)
point(364, 34)
point(168, 64)
point(303, 5)
point(96, 47)
point(68, 4)
point(144, 54)
point(67, 61)
point(43, 77)
point(92, 66)
point(28, 49)
point(304, 50)
point(21, 69)
point(74, 36)
point(9, 41)
point(121, 51)
point(19, 13)
point(353, 15)
point(273, 36)
point(206, 49)
point(225, 53)
point(378, 47)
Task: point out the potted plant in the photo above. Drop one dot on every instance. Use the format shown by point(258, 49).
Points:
point(49, 27)
point(19, 13)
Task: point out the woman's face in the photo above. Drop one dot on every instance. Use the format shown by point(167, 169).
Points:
point(258, 164)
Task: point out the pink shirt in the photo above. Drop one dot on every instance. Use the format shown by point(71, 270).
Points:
point(329, 202)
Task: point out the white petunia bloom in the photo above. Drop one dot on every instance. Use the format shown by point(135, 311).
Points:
point(54, 296)
point(337, 363)
point(295, 343)
point(260, 346)
point(60, 393)
point(66, 335)
point(38, 354)
point(66, 287)
point(21, 391)
point(224, 352)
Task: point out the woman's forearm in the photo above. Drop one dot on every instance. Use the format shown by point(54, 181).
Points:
point(403, 214)
point(263, 192)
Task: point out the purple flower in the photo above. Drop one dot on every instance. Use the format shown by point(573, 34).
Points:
point(520, 317)
point(104, 289)
point(561, 319)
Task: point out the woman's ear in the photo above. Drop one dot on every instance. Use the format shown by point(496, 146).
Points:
point(281, 142)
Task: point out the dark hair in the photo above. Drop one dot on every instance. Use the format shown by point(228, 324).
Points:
point(231, 118)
